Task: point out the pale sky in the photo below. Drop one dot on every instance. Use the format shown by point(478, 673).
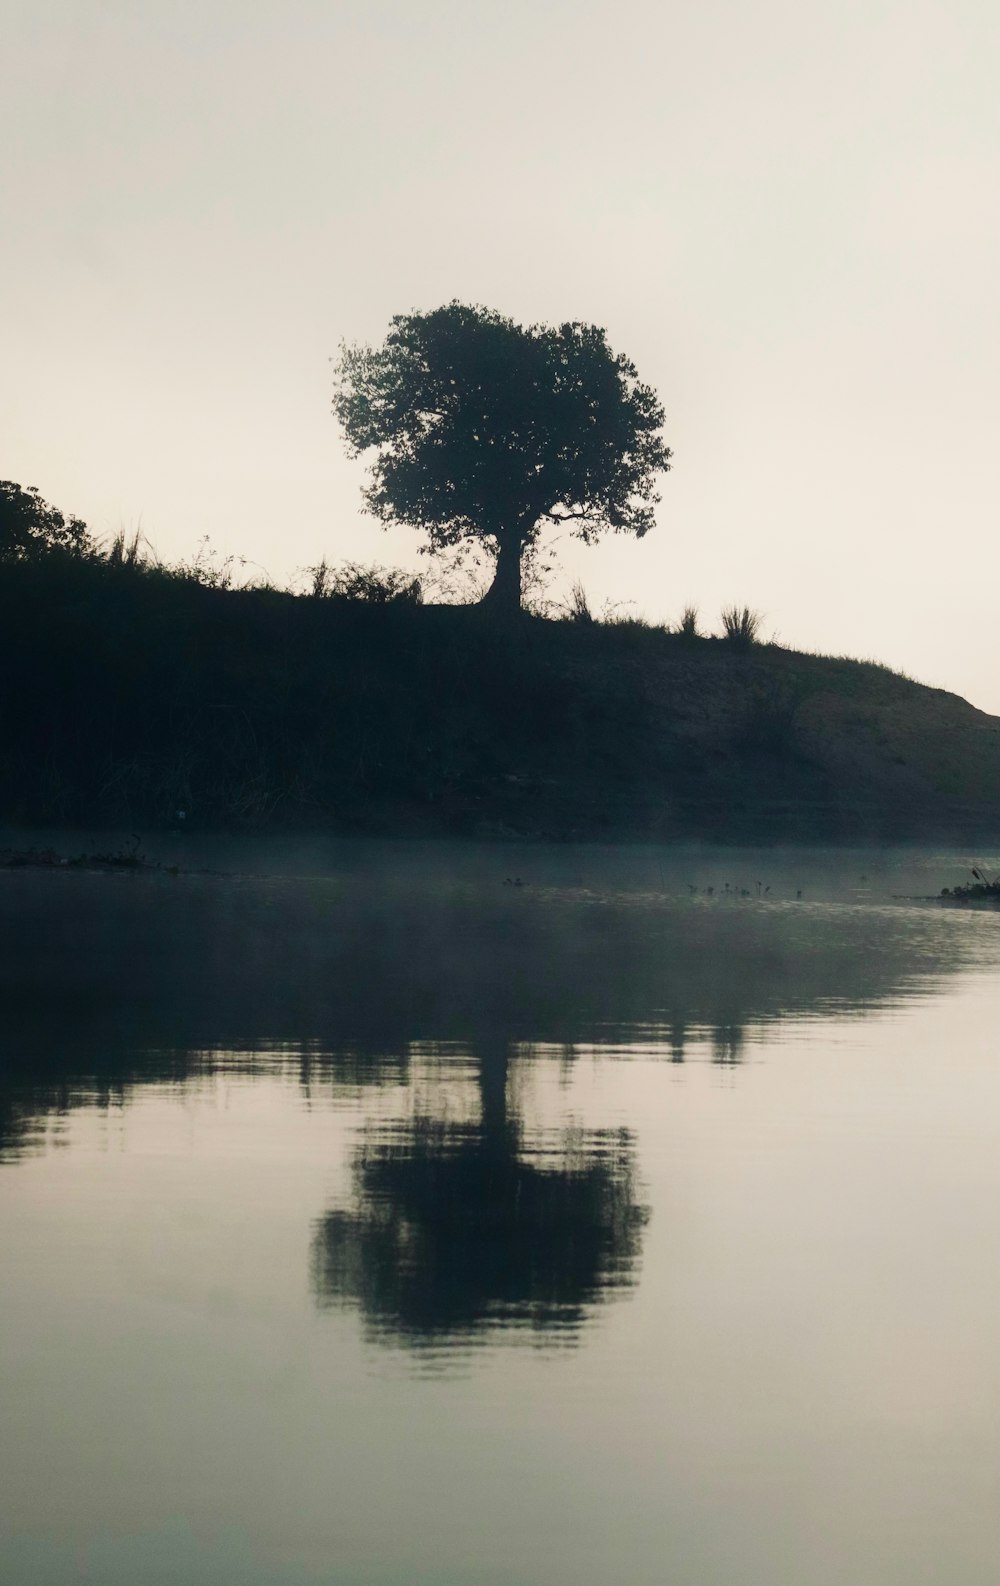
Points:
point(787, 214)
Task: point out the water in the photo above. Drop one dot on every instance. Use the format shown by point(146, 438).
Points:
point(372, 1220)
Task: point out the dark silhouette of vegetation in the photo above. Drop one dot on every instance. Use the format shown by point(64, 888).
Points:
point(140, 693)
point(127, 857)
point(577, 606)
point(689, 622)
point(741, 626)
point(127, 552)
point(30, 529)
point(379, 586)
point(984, 889)
point(487, 430)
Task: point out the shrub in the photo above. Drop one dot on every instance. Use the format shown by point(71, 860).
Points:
point(985, 888)
point(577, 607)
point(377, 586)
point(458, 575)
point(208, 568)
point(615, 614)
point(128, 552)
point(30, 528)
point(689, 622)
point(740, 625)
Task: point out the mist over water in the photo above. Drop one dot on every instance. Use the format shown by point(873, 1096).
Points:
point(437, 1213)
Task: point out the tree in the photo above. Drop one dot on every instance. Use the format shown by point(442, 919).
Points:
point(457, 1228)
point(486, 430)
point(30, 528)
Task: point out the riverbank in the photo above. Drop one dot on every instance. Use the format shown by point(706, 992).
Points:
point(153, 703)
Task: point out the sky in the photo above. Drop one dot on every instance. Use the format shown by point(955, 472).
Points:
point(786, 214)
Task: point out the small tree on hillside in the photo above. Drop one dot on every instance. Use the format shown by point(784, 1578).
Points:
point(486, 430)
point(30, 528)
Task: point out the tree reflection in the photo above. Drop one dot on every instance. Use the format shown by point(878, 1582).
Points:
point(111, 984)
point(456, 1228)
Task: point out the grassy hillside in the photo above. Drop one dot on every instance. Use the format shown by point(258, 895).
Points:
point(129, 696)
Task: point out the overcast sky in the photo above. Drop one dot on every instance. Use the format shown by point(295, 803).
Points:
point(787, 214)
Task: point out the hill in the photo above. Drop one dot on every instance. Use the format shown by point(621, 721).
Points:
point(130, 696)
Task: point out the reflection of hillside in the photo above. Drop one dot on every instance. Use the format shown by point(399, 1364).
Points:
point(456, 1227)
point(107, 982)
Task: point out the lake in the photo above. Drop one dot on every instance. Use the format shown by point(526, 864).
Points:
point(410, 1214)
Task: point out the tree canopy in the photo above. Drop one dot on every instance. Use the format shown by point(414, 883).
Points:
point(30, 528)
point(487, 430)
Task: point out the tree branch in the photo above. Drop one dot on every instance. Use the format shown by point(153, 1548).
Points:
point(567, 517)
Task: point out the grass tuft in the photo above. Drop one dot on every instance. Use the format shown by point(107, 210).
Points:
point(375, 585)
point(577, 607)
point(741, 625)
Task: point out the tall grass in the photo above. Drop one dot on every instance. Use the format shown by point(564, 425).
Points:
point(741, 625)
point(375, 585)
point(127, 551)
point(577, 607)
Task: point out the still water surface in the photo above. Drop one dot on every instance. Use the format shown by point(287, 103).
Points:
point(370, 1220)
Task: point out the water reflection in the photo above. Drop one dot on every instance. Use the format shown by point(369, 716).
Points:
point(110, 983)
point(456, 1229)
point(431, 1115)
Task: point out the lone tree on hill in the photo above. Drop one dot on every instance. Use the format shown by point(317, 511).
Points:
point(486, 430)
point(30, 528)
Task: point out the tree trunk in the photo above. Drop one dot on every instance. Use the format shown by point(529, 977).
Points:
point(493, 1069)
point(504, 594)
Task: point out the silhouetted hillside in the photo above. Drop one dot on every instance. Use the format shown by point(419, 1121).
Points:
point(129, 696)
